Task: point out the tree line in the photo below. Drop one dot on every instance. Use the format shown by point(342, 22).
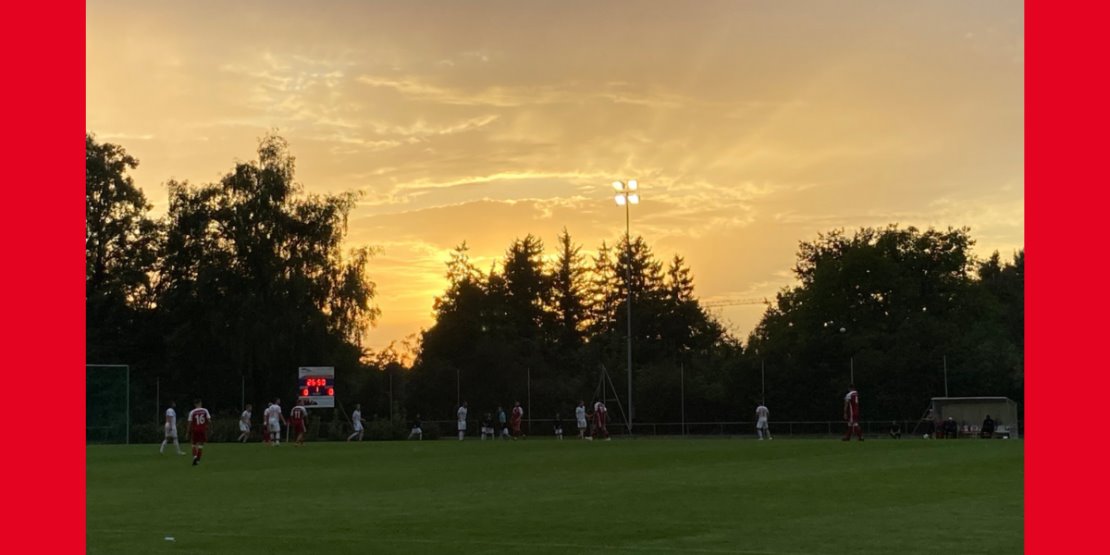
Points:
point(247, 278)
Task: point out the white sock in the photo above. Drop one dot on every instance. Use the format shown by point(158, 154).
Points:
point(163, 447)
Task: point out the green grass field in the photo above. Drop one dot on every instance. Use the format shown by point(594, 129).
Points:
point(543, 496)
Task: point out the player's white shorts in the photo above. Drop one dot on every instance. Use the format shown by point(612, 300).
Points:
point(762, 424)
point(275, 426)
point(582, 424)
point(171, 431)
point(418, 431)
point(358, 426)
point(462, 425)
point(243, 427)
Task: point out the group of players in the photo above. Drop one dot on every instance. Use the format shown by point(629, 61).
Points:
point(198, 429)
point(596, 421)
point(851, 417)
point(199, 417)
point(511, 428)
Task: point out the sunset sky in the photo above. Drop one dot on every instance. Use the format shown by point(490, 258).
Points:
point(750, 126)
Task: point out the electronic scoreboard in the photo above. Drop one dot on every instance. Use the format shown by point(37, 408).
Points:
point(316, 386)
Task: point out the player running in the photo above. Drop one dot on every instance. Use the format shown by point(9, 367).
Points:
point(461, 413)
point(357, 421)
point(580, 416)
point(170, 430)
point(851, 413)
point(275, 420)
point(761, 427)
point(298, 415)
point(417, 430)
point(558, 426)
point(198, 429)
point(245, 424)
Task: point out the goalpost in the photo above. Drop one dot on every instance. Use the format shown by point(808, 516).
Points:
point(107, 403)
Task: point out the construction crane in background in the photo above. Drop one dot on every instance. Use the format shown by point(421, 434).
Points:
point(736, 302)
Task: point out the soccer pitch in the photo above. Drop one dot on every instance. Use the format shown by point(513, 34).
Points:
point(545, 496)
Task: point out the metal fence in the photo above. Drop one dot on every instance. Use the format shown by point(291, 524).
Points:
point(795, 429)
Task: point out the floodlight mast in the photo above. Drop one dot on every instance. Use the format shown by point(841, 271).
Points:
point(626, 196)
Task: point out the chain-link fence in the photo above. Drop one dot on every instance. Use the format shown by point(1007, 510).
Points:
point(107, 404)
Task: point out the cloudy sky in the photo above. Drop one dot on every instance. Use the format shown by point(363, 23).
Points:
point(750, 126)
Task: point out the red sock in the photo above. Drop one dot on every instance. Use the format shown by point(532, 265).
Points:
point(200, 451)
point(194, 451)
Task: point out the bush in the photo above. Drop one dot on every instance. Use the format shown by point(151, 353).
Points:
point(380, 429)
point(431, 430)
point(146, 433)
point(333, 430)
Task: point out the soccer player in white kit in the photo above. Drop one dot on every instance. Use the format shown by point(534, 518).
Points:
point(245, 424)
point(275, 420)
point(761, 426)
point(580, 416)
point(170, 430)
point(462, 420)
point(356, 421)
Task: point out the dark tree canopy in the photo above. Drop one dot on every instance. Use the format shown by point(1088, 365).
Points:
point(121, 251)
point(244, 279)
point(555, 324)
point(896, 304)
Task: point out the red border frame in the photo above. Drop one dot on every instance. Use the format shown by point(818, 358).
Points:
point(43, 45)
point(1066, 116)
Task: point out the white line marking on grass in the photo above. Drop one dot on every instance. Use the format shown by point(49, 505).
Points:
point(539, 543)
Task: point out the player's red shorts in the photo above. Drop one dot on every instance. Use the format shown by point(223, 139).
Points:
point(200, 436)
point(298, 426)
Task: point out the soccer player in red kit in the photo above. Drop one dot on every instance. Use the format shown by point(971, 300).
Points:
point(514, 420)
point(601, 420)
point(297, 417)
point(851, 413)
point(198, 429)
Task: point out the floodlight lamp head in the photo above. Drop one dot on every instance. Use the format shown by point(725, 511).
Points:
point(632, 185)
point(618, 186)
point(633, 199)
point(620, 199)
